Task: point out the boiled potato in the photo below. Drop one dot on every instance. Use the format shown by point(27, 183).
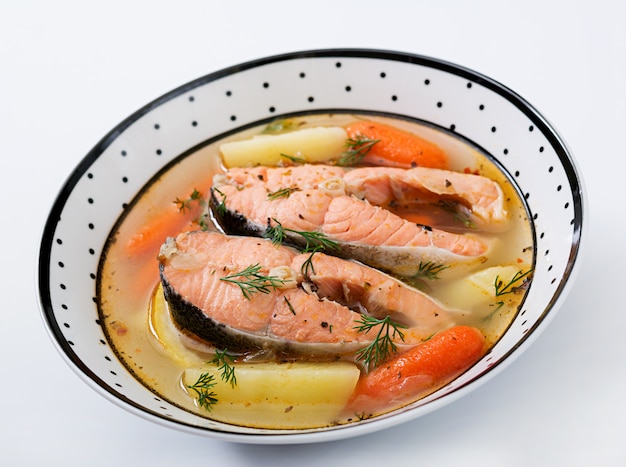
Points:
point(278, 395)
point(168, 338)
point(309, 144)
point(477, 291)
point(485, 280)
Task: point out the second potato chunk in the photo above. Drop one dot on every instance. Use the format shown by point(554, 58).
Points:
point(282, 395)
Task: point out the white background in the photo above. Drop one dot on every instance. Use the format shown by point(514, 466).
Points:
point(70, 71)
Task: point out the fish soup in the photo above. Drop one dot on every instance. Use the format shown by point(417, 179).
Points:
point(313, 271)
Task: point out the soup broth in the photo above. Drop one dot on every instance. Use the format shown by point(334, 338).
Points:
point(140, 328)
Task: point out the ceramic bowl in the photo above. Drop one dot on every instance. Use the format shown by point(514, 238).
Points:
point(445, 95)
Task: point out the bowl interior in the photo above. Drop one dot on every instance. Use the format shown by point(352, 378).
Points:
point(461, 101)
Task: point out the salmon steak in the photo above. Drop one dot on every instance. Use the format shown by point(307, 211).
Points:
point(352, 208)
point(248, 294)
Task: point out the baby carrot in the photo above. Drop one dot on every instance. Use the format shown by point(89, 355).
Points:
point(420, 370)
point(174, 218)
point(396, 147)
point(149, 238)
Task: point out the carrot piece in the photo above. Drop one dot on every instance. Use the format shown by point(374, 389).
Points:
point(396, 147)
point(149, 238)
point(419, 371)
point(168, 222)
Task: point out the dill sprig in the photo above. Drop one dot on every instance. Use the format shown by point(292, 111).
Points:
point(202, 221)
point(429, 270)
point(294, 159)
point(356, 149)
point(307, 266)
point(517, 283)
point(224, 362)
point(185, 204)
point(203, 389)
point(383, 346)
point(282, 193)
point(315, 241)
point(250, 281)
point(276, 233)
point(221, 207)
point(290, 306)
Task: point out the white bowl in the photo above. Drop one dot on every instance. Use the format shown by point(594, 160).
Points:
point(445, 95)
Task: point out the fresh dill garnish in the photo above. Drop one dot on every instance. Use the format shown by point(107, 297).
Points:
point(429, 270)
point(315, 241)
point(250, 281)
point(429, 337)
point(195, 195)
point(282, 193)
point(290, 306)
point(221, 207)
point(294, 159)
point(224, 361)
point(185, 204)
point(202, 222)
point(356, 149)
point(275, 232)
point(307, 266)
point(383, 345)
point(518, 283)
point(520, 278)
point(203, 388)
point(496, 307)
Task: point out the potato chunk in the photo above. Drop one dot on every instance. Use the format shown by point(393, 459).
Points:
point(477, 291)
point(309, 145)
point(168, 339)
point(278, 395)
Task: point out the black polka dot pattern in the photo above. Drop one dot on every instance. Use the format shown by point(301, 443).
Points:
point(454, 100)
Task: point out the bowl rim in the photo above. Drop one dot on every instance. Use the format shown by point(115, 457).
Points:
point(564, 154)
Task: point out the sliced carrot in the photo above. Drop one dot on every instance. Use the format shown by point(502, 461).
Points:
point(169, 222)
point(418, 371)
point(396, 147)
